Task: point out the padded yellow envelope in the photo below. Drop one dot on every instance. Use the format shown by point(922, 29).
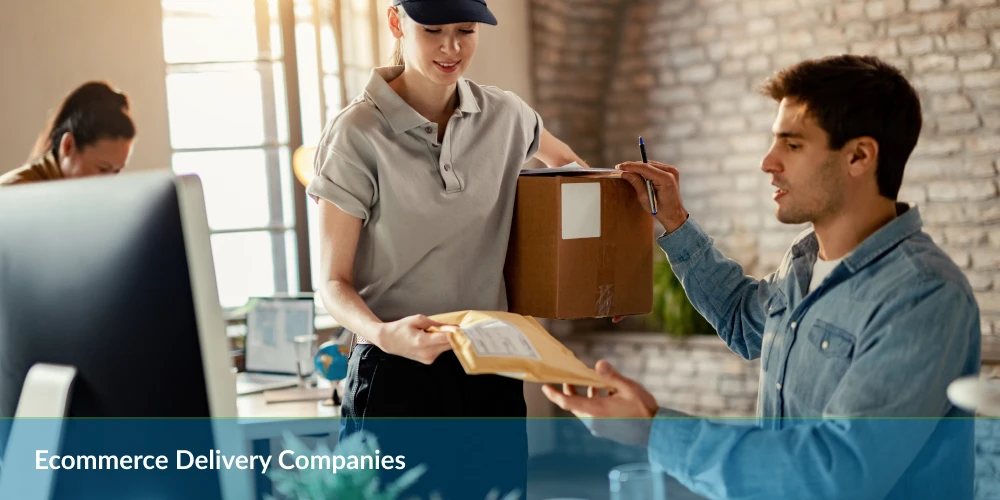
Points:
point(514, 346)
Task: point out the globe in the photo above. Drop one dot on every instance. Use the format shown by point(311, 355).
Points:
point(331, 361)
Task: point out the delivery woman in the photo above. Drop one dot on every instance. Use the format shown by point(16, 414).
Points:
point(416, 180)
point(91, 134)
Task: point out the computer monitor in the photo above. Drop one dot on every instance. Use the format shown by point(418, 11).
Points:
point(108, 296)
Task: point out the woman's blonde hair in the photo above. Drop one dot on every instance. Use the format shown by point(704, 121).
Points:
point(397, 49)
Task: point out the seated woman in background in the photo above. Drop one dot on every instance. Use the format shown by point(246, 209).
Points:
point(90, 135)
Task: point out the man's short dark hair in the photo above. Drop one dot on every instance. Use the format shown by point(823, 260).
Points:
point(853, 96)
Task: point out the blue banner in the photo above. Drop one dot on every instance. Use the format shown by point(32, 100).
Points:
point(472, 459)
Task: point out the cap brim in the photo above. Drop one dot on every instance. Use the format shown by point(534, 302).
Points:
point(427, 13)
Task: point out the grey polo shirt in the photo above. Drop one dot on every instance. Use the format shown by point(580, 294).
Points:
point(436, 216)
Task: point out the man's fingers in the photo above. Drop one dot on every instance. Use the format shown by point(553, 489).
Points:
point(579, 405)
point(666, 168)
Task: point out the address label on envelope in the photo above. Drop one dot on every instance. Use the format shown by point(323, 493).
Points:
point(581, 210)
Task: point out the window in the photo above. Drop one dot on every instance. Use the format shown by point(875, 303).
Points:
point(239, 105)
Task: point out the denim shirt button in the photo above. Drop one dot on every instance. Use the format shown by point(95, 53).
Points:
point(825, 344)
point(778, 385)
point(794, 324)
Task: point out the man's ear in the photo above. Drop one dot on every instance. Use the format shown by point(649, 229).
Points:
point(862, 156)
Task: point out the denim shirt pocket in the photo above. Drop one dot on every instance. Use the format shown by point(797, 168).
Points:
point(775, 310)
point(825, 356)
point(831, 341)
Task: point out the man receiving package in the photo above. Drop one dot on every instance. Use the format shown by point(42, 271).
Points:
point(865, 321)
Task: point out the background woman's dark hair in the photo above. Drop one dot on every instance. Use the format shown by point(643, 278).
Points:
point(92, 112)
point(853, 96)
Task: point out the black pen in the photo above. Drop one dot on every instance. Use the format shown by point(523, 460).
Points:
point(649, 184)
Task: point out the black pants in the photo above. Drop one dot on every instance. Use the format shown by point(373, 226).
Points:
point(469, 430)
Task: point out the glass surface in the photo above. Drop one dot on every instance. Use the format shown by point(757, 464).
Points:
point(640, 481)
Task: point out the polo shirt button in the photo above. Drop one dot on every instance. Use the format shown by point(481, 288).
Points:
point(428, 130)
point(447, 168)
point(778, 385)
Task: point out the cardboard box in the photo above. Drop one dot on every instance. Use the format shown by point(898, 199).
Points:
point(581, 246)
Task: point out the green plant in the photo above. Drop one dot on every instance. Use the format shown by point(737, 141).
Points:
point(672, 311)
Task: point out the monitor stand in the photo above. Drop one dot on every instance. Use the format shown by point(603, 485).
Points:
point(42, 406)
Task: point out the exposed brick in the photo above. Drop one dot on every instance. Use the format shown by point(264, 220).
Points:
point(883, 9)
point(995, 39)
point(761, 26)
point(981, 60)
point(983, 144)
point(938, 146)
point(982, 79)
point(675, 95)
point(983, 18)
point(961, 190)
point(915, 45)
point(913, 194)
point(800, 18)
point(680, 130)
point(934, 62)
point(796, 39)
point(958, 123)
point(924, 5)
point(749, 143)
point(880, 48)
point(966, 236)
point(965, 41)
point(989, 99)
point(904, 25)
point(985, 258)
point(777, 6)
point(697, 74)
point(859, 31)
point(936, 22)
point(991, 121)
point(939, 82)
point(849, 11)
point(949, 103)
point(980, 282)
point(758, 64)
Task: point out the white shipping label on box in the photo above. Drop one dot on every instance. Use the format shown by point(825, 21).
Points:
point(500, 338)
point(581, 210)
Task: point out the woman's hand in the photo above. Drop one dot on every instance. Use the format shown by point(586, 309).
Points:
point(409, 338)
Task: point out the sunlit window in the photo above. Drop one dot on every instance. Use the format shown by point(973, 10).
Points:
point(230, 120)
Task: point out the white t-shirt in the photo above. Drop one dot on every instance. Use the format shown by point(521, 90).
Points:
point(821, 270)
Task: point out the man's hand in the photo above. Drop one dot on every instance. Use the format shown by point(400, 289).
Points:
point(624, 414)
point(666, 186)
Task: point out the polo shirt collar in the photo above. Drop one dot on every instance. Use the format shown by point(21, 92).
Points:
point(397, 112)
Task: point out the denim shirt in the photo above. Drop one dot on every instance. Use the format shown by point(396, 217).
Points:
point(881, 336)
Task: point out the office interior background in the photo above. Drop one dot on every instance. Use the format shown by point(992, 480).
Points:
point(230, 89)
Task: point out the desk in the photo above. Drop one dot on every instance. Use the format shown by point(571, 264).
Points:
point(263, 423)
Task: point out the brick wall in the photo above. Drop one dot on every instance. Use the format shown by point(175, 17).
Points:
point(683, 74)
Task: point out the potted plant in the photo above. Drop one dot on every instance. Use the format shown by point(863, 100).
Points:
point(673, 313)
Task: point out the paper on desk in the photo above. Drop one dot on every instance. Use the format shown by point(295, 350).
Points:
point(568, 169)
point(515, 346)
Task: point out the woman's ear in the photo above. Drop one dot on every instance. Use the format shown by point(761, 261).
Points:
point(863, 153)
point(395, 23)
point(66, 145)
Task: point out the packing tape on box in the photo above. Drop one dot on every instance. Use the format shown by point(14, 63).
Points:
point(609, 251)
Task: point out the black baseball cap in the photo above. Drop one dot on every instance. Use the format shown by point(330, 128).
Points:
point(438, 12)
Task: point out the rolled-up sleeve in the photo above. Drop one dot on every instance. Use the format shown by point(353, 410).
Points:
point(345, 171)
point(531, 125)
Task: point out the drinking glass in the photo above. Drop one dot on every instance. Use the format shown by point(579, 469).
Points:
point(638, 481)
